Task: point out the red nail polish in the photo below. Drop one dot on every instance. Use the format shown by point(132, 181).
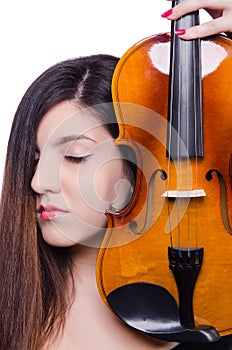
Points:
point(180, 31)
point(167, 13)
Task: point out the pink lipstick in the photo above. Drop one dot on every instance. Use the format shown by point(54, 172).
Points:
point(50, 212)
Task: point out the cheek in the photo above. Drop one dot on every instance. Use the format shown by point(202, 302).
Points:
point(88, 212)
point(80, 193)
point(107, 177)
point(69, 186)
point(94, 187)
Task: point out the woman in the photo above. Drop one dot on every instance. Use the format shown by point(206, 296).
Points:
point(52, 211)
point(49, 280)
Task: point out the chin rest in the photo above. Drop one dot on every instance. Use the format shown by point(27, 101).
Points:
point(152, 310)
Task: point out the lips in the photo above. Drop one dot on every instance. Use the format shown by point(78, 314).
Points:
point(50, 212)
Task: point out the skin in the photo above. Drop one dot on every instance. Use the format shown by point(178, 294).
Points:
point(79, 171)
point(57, 181)
point(90, 324)
point(221, 11)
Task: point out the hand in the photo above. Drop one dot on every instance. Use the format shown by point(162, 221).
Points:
point(220, 10)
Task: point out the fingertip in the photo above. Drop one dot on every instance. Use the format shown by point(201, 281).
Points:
point(180, 32)
point(166, 14)
point(183, 34)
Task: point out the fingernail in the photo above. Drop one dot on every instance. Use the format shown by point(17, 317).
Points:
point(180, 31)
point(167, 13)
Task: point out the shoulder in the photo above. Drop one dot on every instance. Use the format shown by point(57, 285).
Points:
point(225, 343)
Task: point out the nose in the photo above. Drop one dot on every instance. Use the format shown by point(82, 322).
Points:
point(46, 177)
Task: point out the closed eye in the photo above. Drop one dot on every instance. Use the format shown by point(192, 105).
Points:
point(76, 160)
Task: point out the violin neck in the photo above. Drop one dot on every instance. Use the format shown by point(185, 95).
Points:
point(185, 93)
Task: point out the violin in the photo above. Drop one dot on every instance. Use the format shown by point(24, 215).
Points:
point(165, 264)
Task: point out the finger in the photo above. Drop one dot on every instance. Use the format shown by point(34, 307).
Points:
point(216, 26)
point(187, 6)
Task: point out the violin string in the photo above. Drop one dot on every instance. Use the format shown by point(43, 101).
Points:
point(179, 180)
point(192, 181)
point(172, 62)
point(195, 131)
point(196, 153)
point(187, 59)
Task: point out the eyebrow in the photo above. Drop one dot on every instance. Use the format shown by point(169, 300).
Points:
point(71, 138)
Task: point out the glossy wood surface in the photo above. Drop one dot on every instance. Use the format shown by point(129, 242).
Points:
point(140, 93)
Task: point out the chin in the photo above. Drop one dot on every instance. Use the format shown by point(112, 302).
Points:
point(68, 235)
point(56, 239)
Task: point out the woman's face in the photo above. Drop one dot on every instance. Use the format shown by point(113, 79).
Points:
point(78, 176)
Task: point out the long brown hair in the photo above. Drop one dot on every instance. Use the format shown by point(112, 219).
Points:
point(33, 274)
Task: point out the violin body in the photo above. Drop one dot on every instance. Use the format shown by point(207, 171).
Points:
point(179, 203)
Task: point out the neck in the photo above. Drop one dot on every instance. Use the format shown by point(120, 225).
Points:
point(84, 262)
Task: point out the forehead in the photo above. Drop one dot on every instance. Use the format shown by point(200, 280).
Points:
point(68, 119)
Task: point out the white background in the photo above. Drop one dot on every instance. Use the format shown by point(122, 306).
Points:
point(37, 34)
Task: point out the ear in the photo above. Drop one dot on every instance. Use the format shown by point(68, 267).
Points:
point(124, 191)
